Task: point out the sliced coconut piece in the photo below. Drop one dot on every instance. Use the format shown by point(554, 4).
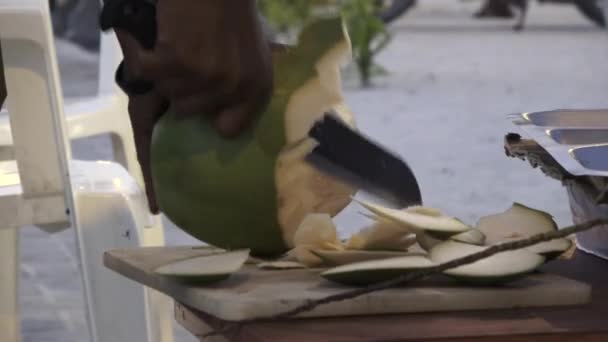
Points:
point(304, 255)
point(375, 271)
point(521, 222)
point(427, 211)
point(334, 246)
point(497, 269)
point(434, 212)
point(205, 269)
point(552, 249)
point(317, 231)
point(381, 236)
point(281, 265)
point(412, 220)
point(473, 237)
point(337, 258)
point(427, 241)
point(416, 248)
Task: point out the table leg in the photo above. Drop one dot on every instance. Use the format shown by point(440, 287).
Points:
point(9, 268)
point(194, 324)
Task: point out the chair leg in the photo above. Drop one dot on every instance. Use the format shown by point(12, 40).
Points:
point(9, 269)
point(123, 148)
point(119, 309)
point(160, 306)
point(152, 235)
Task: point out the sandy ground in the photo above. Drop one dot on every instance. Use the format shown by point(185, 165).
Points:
point(443, 107)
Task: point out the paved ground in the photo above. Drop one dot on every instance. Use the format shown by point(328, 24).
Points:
point(443, 107)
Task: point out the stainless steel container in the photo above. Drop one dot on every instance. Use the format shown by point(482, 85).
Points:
point(578, 141)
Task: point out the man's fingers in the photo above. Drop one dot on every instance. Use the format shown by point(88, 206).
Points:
point(155, 64)
point(151, 196)
point(144, 111)
point(128, 45)
point(232, 121)
point(197, 104)
point(181, 88)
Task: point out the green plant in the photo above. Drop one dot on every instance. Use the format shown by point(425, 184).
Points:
point(285, 15)
point(368, 35)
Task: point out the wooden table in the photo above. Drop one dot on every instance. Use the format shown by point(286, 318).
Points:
point(539, 324)
point(564, 324)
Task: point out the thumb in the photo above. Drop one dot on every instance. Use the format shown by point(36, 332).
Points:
point(156, 64)
point(232, 121)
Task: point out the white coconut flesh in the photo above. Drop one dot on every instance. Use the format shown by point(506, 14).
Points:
point(302, 189)
point(521, 222)
point(338, 258)
point(426, 241)
point(473, 237)
point(281, 265)
point(409, 219)
point(206, 269)
point(424, 211)
point(375, 271)
point(385, 221)
point(381, 236)
point(317, 231)
point(552, 249)
point(497, 269)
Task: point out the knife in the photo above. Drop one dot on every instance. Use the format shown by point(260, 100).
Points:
point(356, 160)
point(340, 152)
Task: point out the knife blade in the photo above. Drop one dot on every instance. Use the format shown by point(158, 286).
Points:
point(356, 160)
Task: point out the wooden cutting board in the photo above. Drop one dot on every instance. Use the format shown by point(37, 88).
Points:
point(253, 292)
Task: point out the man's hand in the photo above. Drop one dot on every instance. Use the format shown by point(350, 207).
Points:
point(144, 111)
point(210, 57)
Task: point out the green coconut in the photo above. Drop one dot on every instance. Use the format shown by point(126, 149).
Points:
point(254, 191)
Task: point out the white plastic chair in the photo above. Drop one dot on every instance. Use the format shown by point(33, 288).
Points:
point(104, 113)
point(44, 187)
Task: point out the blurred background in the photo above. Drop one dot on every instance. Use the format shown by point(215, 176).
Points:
point(433, 80)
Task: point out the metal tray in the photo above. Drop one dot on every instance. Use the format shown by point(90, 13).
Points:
point(577, 139)
point(569, 118)
point(576, 136)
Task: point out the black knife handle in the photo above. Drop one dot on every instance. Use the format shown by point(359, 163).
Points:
point(138, 17)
